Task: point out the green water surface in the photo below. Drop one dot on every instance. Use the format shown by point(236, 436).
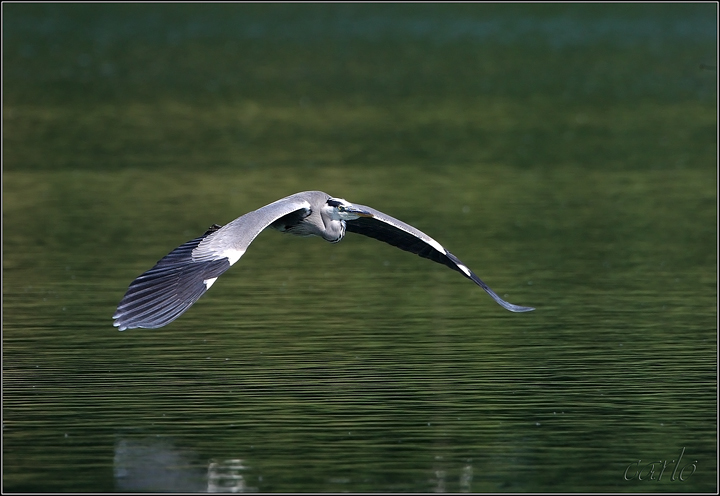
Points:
point(566, 153)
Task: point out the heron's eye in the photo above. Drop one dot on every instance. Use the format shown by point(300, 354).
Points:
point(341, 208)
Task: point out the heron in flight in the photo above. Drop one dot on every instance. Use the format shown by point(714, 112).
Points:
point(179, 279)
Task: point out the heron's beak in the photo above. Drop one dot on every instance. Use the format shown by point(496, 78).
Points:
point(358, 211)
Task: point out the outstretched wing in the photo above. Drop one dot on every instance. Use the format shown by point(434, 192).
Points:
point(163, 293)
point(382, 227)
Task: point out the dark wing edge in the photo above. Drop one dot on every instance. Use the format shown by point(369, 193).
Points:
point(462, 268)
point(389, 230)
point(163, 293)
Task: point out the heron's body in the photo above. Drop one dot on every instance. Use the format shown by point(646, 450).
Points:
point(179, 279)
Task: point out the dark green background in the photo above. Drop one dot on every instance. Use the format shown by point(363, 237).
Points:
point(566, 153)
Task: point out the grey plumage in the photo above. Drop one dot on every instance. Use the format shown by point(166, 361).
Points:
point(163, 293)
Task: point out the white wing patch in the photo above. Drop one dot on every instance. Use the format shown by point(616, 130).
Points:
point(234, 255)
point(231, 255)
point(424, 236)
point(209, 282)
point(435, 245)
point(464, 269)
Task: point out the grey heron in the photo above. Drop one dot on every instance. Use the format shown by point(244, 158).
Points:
point(163, 293)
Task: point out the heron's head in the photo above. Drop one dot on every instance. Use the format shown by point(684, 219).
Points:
point(340, 209)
